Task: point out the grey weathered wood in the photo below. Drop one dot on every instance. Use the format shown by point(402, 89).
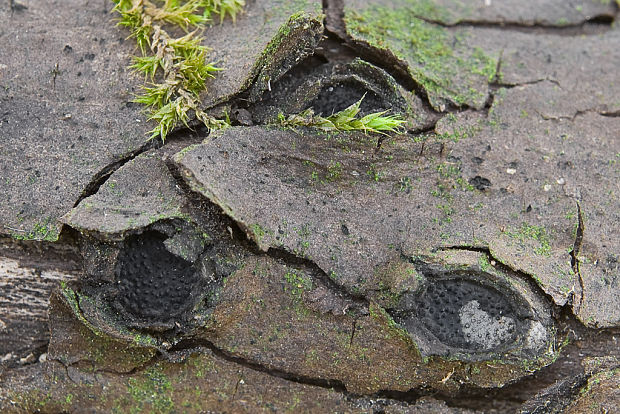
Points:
point(28, 273)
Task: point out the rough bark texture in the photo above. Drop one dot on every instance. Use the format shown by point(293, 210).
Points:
point(467, 263)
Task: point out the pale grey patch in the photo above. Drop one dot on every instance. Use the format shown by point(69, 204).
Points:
point(483, 329)
point(536, 336)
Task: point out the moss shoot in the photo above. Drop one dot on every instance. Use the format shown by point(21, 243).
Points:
point(346, 120)
point(177, 67)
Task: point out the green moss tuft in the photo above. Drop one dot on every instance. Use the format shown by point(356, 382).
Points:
point(179, 64)
point(346, 120)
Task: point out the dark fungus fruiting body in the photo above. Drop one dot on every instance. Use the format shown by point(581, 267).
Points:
point(467, 315)
point(154, 284)
point(474, 315)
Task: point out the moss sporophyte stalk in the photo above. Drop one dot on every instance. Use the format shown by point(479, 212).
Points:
point(176, 67)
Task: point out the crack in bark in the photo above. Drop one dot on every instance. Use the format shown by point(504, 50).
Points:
point(557, 397)
point(102, 176)
point(496, 85)
point(196, 344)
point(612, 114)
point(317, 272)
point(498, 69)
point(574, 253)
point(577, 113)
point(236, 388)
point(354, 324)
point(597, 24)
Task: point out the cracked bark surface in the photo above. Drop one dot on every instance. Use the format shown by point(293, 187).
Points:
point(82, 94)
point(468, 264)
point(548, 13)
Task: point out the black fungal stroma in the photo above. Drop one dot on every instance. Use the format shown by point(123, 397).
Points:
point(338, 97)
point(467, 315)
point(153, 284)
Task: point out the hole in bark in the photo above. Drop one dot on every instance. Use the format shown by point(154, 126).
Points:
point(480, 183)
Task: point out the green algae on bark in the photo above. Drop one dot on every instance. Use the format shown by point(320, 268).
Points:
point(74, 340)
point(439, 60)
point(286, 319)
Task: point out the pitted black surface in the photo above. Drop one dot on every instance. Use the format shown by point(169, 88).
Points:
point(153, 284)
point(444, 300)
point(335, 98)
point(464, 313)
point(329, 87)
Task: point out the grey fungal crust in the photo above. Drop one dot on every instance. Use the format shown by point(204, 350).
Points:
point(475, 315)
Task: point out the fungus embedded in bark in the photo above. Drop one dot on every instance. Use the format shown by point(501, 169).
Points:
point(153, 284)
point(467, 315)
point(338, 96)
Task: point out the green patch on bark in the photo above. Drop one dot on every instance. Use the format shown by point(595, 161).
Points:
point(439, 60)
point(528, 234)
point(44, 230)
point(296, 284)
point(151, 392)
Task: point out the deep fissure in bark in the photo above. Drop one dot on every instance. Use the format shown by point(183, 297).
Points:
point(574, 253)
point(595, 25)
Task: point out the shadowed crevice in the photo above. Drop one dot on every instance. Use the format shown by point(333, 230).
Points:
point(594, 26)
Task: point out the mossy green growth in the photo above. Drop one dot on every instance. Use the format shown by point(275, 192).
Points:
point(528, 233)
point(152, 392)
point(297, 283)
point(391, 328)
point(258, 231)
point(457, 132)
point(283, 32)
point(390, 282)
point(44, 230)
point(483, 263)
point(442, 63)
point(72, 298)
point(452, 174)
point(177, 67)
point(346, 120)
